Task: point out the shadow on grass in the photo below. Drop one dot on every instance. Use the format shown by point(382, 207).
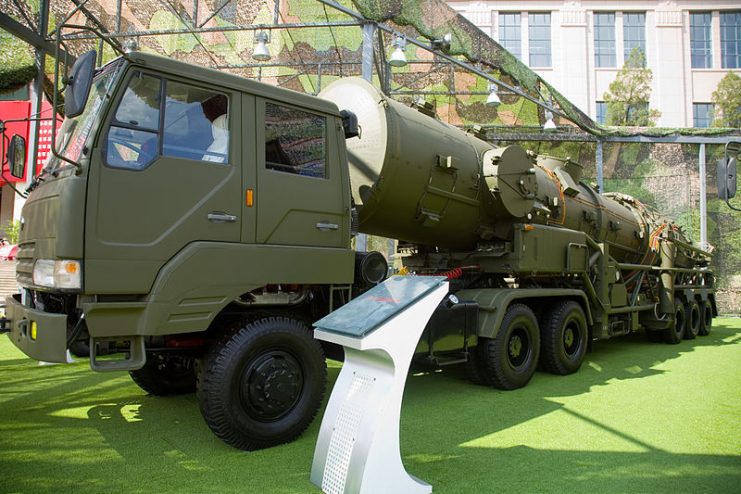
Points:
point(450, 429)
point(64, 429)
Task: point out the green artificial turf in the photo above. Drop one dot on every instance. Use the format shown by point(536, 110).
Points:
point(638, 417)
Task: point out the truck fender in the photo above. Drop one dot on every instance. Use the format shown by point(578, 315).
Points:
point(203, 278)
point(493, 303)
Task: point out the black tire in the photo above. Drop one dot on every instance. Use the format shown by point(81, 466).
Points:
point(706, 318)
point(509, 360)
point(80, 349)
point(692, 319)
point(474, 369)
point(263, 384)
point(563, 338)
point(674, 333)
point(654, 336)
point(164, 375)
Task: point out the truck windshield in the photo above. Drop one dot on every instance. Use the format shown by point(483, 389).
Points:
point(74, 132)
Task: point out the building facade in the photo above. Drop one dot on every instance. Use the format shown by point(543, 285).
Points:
point(579, 46)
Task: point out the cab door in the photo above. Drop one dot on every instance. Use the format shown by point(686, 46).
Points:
point(168, 175)
point(301, 197)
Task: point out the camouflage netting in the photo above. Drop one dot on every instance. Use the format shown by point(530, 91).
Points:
point(308, 58)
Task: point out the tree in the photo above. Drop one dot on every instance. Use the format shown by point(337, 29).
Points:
point(727, 102)
point(629, 94)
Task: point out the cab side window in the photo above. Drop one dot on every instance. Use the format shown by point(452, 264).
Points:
point(157, 117)
point(196, 124)
point(295, 141)
point(133, 138)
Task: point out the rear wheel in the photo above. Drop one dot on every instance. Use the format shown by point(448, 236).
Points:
point(654, 336)
point(563, 338)
point(263, 384)
point(674, 333)
point(706, 318)
point(509, 360)
point(166, 375)
point(692, 319)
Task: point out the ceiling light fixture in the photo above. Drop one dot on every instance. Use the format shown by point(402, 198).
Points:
point(398, 58)
point(261, 52)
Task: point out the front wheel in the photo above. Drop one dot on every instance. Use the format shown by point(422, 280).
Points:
point(509, 360)
point(164, 375)
point(262, 385)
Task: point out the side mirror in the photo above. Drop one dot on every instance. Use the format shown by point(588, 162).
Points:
point(726, 178)
point(78, 84)
point(17, 156)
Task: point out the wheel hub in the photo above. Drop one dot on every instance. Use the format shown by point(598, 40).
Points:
point(271, 385)
point(515, 346)
point(568, 337)
point(518, 348)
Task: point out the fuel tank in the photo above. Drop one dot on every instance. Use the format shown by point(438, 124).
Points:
point(418, 179)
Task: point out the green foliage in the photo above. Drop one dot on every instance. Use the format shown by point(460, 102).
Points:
point(629, 94)
point(12, 231)
point(727, 102)
point(629, 153)
point(16, 62)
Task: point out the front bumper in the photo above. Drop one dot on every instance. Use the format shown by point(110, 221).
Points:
point(50, 342)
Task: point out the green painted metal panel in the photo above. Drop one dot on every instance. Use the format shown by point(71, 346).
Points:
point(493, 303)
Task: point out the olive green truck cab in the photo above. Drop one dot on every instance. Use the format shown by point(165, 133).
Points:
point(192, 224)
point(191, 196)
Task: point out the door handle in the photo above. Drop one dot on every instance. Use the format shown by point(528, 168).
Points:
point(221, 217)
point(325, 227)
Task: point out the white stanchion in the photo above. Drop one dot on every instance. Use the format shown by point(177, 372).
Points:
point(358, 446)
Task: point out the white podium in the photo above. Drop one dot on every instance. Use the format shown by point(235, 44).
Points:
point(358, 446)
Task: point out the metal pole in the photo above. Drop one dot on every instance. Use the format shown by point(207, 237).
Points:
point(599, 159)
point(118, 14)
point(37, 95)
point(369, 31)
point(703, 200)
point(38, 86)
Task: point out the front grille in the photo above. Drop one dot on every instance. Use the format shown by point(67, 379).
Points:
point(24, 263)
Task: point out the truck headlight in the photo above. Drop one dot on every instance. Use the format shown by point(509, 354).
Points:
point(57, 274)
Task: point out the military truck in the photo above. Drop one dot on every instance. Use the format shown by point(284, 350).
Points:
point(191, 225)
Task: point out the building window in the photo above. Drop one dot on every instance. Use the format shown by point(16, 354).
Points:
point(604, 39)
point(601, 112)
point(510, 33)
point(730, 39)
point(701, 45)
point(634, 33)
point(702, 114)
point(539, 30)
